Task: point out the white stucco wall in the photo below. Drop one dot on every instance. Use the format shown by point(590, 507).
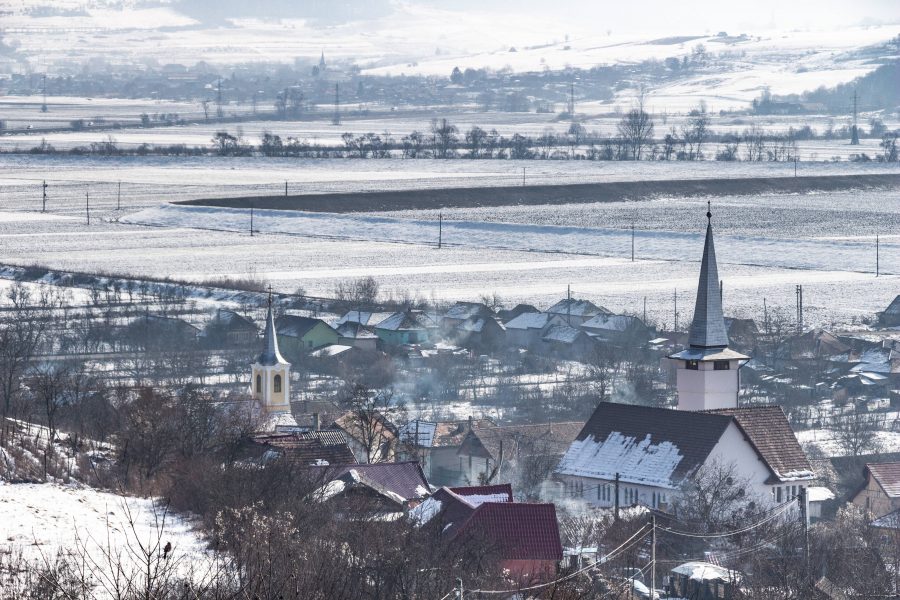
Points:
point(707, 388)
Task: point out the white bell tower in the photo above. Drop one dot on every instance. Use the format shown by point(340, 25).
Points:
point(708, 371)
point(271, 375)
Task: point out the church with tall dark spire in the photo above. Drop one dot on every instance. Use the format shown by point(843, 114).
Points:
point(637, 454)
point(708, 371)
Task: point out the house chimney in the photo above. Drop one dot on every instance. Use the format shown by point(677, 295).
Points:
point(470, 422)
point(315, 421)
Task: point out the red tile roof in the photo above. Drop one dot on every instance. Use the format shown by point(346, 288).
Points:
point(520, 531)
point(504, 489)
point(888, 477)
point(770, 433)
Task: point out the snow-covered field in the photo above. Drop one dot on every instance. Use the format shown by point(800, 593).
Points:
point(766, 246)
point(40, 521)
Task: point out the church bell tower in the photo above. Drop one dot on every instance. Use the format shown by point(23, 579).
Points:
point(271, 375)
point(708, 371)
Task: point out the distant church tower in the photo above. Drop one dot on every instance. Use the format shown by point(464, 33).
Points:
point(271, 374)
point(707, 371)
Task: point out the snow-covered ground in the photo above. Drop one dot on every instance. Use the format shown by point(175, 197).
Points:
point(40, 520)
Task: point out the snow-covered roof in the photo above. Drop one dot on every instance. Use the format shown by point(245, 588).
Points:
point(423, 429)
point(401, 321)
point(563, 334)
point(611, 322)
point(704, 571)
point(576, 308)
point(331, 350)
point(530, 321)
point(363, 317)
point(465, 310)
point(819, 494)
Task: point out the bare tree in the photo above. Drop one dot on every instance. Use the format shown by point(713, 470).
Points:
point(636, 130)
point(445, 138)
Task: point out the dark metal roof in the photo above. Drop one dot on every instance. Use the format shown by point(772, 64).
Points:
point(311, 448)
point(639, 432)
point(708, 328)
point(405, 479)
point(270, 355)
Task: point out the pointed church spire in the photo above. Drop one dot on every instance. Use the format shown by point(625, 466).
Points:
point(708, 328)
point(270, 354)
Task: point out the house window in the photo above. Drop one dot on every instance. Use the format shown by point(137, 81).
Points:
point(259, 384)
point(692, 365)
point(721, 365)
point(778, 494)
point(277, 384)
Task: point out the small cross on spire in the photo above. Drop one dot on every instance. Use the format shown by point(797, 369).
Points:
point(269, 289)
point(709, 210)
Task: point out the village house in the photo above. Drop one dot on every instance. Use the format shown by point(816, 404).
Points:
point(575, 312)
point(383, 490)
point(305, 448)
point(629, 454)
point(351, 333)
point(508, 314)
point(480, 334)
point(402, 328)
point(464, 311)
point(229, 329)
point(527, 450)
point(371, 437)
point(704, 581)
point(617, 329)
point(363, 317)
point(567, 342)
point(890, 317)
point(526, 536)
point(300, 335)
point(880, 494)
point(154, 331)
point(527, 329)
point(436, 444)
point(742, 333)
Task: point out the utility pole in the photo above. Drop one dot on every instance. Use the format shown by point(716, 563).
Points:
point(877, 255)
point(765, 316)
point(804, 520)
point(632, 241)
point(44, 201)
point(676, 311)
point(799, 292)
point(219, 112)
point(569, 305)
point(44, 86)
point(459, 583)
point(652, 556)
point(616, 511)
point(336, 119)
point(720, 291)
point(285, 188)
point(572, 101)
point(87, 207)
point(645, 310)
point(440, 229)
point(251, 220)
point(795, 166)
point(523, 176)
point(854, 130)
point(119, 196)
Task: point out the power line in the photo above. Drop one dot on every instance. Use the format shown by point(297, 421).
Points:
point(784, 508)
point(639, 534)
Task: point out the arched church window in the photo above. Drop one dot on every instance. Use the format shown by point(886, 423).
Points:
point(259, 384)
point(277, 385)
